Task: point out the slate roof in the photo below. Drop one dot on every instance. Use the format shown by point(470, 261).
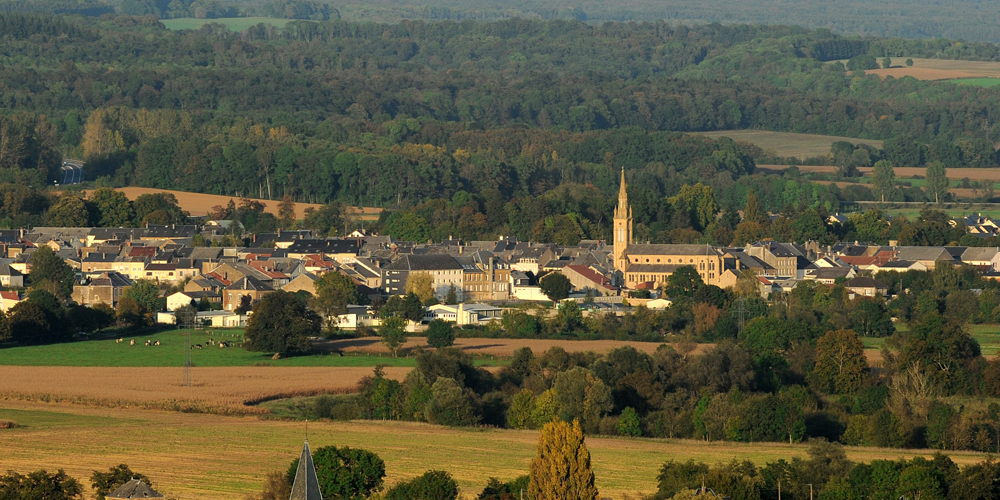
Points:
point(669, 249)
point(250, 283)
point(922, 253)
point(432, 262)
point(324, 246)
point(135, 488)
point(306, 484)
point(979, 253)
point(863, 282)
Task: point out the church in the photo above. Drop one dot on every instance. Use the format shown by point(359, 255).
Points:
point(645, 265)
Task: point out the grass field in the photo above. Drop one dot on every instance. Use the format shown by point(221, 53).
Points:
point(171, 353)
point(233, 23)
point(789, 144)
point(194, 456)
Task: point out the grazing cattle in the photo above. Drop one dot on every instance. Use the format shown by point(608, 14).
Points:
point(223, 344)
point(156, 343)
point(119, 341)
point(148, 343)
point(131, 342)
point(198, 346)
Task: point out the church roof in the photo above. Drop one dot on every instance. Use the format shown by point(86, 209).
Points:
point(306, 484)
point(135, 488)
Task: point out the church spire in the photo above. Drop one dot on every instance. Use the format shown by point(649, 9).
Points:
point(622, 225)
point(624, 210)
point(306, 484)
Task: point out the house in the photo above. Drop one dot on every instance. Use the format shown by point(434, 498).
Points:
point(304, 282)
point(106, 288)
point(340, 250)
point(8, 300)
point(829, 275)
point(10, 277)
point(982, 257)
point(782, 257)
point(902, 266)
point(484, 277)
point(865, 286)
point(464, 314)
point(446, 273)
point(131, 490)
point(178, 300)
point(586, 278)
point(356, 316)
point(247, 286)
point(927, 256)
point(650, 263)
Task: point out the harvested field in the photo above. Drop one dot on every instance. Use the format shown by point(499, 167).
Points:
point(216, 390)
point(940, 69)
point(789, 144)
point(194, 456)
point(199, 204)
point(497, 347)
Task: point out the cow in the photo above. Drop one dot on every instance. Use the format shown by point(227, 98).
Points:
point(156, 343)
point(148, 343)
point(131, 342)
point(198, 346)
point(119, 341)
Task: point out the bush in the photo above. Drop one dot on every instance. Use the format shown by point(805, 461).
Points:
point(432, 485)
point(345, 473)
point(440, 333)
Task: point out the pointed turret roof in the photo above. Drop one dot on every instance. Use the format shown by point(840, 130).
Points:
point(135, 488)
point(306, 484)
point(623, 210)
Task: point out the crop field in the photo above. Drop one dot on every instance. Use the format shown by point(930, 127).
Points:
point(233, 23)
point(200, 204)
point(223, 390)
point(495, 347)
point(789, 144)
point(940, 69)
point(197, 456)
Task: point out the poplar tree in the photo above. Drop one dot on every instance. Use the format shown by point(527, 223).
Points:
point(752, 212)
point(561, 471)
point(883, 179)
point(937, 181)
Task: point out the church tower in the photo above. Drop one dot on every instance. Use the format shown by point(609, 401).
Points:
point(623, 225)
point(306, 484)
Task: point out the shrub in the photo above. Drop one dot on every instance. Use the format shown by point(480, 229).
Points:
point(432, 485)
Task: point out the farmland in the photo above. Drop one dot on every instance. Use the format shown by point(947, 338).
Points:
point(199, 204)
point(233, 23)
point(194, 456)
point(940, 69)
point(789, 144)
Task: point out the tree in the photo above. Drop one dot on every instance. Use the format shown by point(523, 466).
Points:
point(106, 482)
point(393, 333)
point(683, 282)
point(345, 473)
point(162, 207)
point(422, 285)
point(51, 272)
point(113, 208)
point(276, 487)
point(555, 286)
point(753, 212)
point(511, 490)
point(432, 485)
point(870, 318)
point(521, 408)
point(883, 179)
point(451, 404)
point(29, 323)
point(452, 297)
point(937, 181)
point(286, 212)
point(146, 294)
point(440, 333)
point(131, 314)
point(334, 292)
point(281, 323)
point(629, 423)
point(327, 220)
point(561, 469)
point(39, 485)
point(69, 211)
point(840, 362)
point(909, 62)
point(886, 62)
point(407, 307)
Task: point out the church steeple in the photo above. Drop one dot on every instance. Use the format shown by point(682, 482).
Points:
point(306, 484)
point(622, 225)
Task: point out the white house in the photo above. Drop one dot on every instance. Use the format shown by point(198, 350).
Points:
point(464, 314)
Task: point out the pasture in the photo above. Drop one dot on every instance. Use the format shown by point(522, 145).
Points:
point(233, 23)
point(170, 353)
point(789, 144)
point(200, 204)
point(196, 456)
point(978, 82)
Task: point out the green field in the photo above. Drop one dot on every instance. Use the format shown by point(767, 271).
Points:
point(988, 337)
point(234, 23)
point(789, 144)
point(978, 82)
point(171, 353)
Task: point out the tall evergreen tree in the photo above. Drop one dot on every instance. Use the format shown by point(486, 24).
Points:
point(753, 211)
point(562, 471)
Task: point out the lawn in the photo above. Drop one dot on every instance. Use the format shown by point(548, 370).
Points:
point(197, 456)
point(978, 82)
point(234, 23)
point(170, 352)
